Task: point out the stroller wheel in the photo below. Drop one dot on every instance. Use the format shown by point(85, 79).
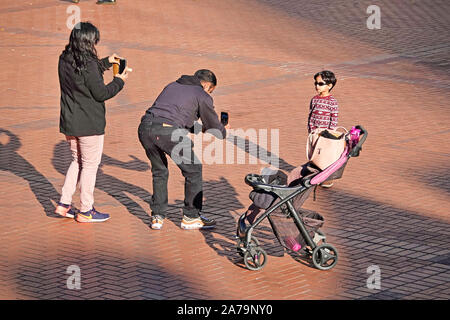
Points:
point(324, 257)
point(255, 259)
point(240, 245)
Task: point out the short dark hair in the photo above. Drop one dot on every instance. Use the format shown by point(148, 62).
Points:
point(206, 75)
point(327, 76)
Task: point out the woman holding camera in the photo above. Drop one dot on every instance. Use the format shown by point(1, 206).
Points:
point(82, 117)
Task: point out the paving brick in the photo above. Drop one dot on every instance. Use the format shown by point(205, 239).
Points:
point(389, 209)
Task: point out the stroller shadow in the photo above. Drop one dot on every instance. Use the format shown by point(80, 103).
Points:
point(263, 154)
point(222, 238)
point(301, 257)
point(114, 187)
point(12, 161)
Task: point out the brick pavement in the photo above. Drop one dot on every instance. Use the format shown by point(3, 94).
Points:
point(389, 210)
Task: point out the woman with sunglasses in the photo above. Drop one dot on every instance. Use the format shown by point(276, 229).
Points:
point(324, 109)
point(82, 117)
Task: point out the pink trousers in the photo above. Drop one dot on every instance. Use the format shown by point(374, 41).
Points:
point(86, 156)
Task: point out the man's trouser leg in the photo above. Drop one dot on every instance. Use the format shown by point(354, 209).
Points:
point(157, 140)
point(182, 153)
point(160, 172)
point(193, 188)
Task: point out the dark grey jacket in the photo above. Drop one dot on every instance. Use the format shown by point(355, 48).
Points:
point(183, 102)
point(83, 97)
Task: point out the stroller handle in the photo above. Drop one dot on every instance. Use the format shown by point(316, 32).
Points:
point(357, 149)
point(252, 178)
point(256, 181)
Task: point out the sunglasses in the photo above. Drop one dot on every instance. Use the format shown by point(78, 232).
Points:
point(319, 83)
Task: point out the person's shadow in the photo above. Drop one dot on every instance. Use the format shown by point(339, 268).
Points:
point(12, 161)
point(114, 187)
point(226, 211)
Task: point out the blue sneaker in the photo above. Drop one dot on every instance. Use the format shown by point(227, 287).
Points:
point(92, 216)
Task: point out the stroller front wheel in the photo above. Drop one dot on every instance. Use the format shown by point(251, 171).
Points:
point(255, 259)
point(324, 257)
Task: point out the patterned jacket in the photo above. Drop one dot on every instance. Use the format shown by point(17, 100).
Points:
point(323, 113)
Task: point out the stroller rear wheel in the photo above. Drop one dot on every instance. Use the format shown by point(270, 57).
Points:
point(255, 259)
point(324, 257)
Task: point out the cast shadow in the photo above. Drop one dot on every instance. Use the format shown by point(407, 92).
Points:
point(114, 187)
point(143, 280)
point(12, 161)
point(261, 153)
point(226, 211)
point(382, 227)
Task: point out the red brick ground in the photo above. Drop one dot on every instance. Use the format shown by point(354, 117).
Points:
point(390, 209)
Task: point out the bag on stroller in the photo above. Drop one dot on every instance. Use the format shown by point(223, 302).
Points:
point(279, 197)
point(325, 146)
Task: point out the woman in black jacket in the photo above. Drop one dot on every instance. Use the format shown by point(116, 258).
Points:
point(82, 118)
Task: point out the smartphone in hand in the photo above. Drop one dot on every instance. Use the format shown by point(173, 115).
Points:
point(122, 65)
point(224, 118)
point(118, 68)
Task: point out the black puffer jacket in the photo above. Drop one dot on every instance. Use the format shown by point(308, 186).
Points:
point(83, 97)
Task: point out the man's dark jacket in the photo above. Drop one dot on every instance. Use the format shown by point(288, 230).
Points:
point(183, 102)
point(83, 97)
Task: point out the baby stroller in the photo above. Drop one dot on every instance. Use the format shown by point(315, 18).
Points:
point(279, 197)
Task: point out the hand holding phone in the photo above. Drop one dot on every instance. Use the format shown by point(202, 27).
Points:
point(122, 69)
point(119, 67)
point(122, 65)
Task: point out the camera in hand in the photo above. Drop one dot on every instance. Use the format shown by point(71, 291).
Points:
point(224, 118)
point(119, 68)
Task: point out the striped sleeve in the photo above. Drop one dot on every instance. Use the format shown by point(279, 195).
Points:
point(334, 113)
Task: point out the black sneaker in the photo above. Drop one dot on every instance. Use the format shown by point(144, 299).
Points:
point(106, 2)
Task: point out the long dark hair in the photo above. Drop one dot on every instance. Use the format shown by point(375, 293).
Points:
point(81, 46)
